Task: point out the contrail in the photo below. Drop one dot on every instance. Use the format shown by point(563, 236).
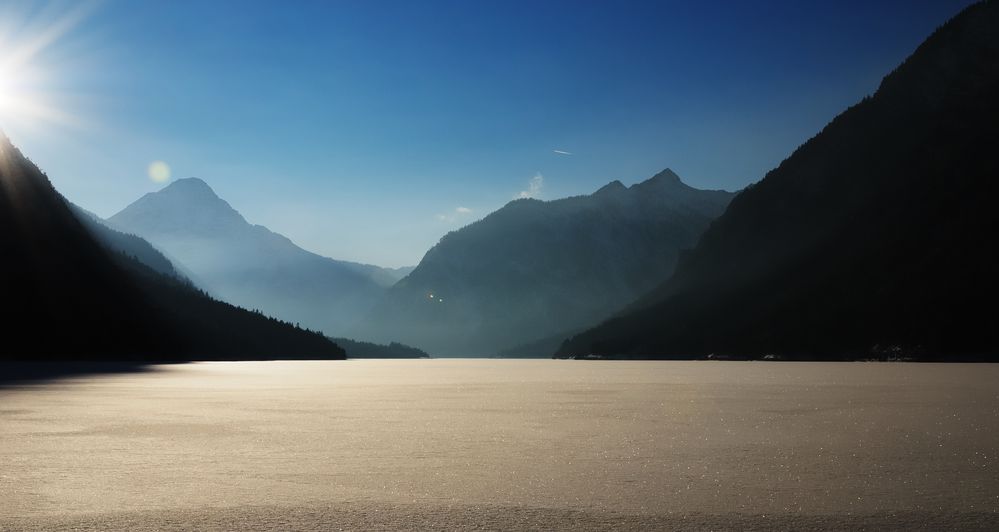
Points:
point(561, 152)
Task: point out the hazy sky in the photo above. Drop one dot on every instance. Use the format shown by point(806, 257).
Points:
point(367, 130)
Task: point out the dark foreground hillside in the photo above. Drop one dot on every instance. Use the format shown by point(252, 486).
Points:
point(65, 297)
point(875, 238)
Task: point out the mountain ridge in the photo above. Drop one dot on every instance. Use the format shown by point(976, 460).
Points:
point(124, 243)
point(74, 299)
point(534, 268)
point(248, 264)
point(872, 239)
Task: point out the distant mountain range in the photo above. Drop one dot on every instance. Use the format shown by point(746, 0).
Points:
point(876, 238)
point(249, 265)
point(357, 349)
point(68, 297)
point(535, 268)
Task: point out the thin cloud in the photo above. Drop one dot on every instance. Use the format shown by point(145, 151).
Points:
point(455, 215)
point(533, 188)
point(561, 152)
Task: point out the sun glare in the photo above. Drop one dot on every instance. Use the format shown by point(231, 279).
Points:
point(26, 80)
point(5, 90)
point(12, 96)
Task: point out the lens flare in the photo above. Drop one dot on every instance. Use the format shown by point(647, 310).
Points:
point(159, 172)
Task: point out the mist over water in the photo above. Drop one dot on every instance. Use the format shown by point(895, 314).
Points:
point(504, 443)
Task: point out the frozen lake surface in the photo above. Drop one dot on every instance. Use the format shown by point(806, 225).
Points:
point(504, 444)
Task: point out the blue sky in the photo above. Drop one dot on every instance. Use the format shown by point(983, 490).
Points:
point(367, 130)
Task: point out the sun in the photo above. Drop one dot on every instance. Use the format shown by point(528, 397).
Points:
point(5, 97)
point(27, 95)
point(22, 97)
point(22, 102)
point(8, 90)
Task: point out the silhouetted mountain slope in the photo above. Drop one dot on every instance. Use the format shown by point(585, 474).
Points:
point(65, 297)
point(356, 349)
point(877, 237)
point(124, 243)
point(535, 268)
point(249, 265)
